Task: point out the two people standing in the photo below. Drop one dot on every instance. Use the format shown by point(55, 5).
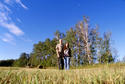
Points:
point(63, 54)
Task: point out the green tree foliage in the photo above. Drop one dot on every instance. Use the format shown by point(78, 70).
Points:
point(72, 40)
point(86, 44)
point(105, 49)
point(93, 38)
point(59, 35)
point(44, 53)
point(7, 62)
point(22, 61)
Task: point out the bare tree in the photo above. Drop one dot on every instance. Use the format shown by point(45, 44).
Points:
point(83, 31)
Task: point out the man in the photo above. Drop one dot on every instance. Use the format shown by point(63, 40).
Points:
point(60, 54)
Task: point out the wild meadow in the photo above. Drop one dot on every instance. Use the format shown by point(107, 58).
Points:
point(88, 46)
point(94, 74)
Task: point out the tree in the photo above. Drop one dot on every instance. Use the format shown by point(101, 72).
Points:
point(59, 35)
point(83, 32)
point(38, 54)
point(93, 39)
point(86, 44)
point(22, 61)
point(105, 49)
point(53, 52)
point(44, 53)
point(7, 62)
point(72, 40)
point(123, 60)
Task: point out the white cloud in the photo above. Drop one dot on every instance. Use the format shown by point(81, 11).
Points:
point(6, 21)
point(7, 38)
point(3, 17)
point(19, 20)
point(10, 2)
point(4, 7)
point(13, 28)
point(20, 2)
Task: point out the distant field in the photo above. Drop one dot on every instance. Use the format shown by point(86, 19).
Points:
point(102, 74)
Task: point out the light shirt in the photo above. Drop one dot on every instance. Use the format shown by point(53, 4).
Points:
point(59, 47)
point(66, 52)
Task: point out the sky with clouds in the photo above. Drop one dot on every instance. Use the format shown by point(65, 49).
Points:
point(6, 21)
point(25, 22)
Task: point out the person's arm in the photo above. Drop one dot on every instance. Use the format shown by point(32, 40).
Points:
point(57, 51)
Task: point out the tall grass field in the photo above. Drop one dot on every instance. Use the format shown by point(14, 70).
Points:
point(94, 74)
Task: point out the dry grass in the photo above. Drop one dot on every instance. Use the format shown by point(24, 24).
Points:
point(97, 75)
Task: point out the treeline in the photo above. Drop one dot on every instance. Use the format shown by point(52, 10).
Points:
point(86, 43)
point(7, 63)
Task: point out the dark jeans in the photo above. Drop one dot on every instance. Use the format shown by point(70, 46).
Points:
point(61, 63)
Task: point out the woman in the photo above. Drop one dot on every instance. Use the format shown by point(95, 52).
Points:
point(67, 56)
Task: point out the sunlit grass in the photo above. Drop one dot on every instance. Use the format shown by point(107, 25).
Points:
point(104, 74)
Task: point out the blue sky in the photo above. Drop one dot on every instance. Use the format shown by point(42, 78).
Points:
point(25, 22)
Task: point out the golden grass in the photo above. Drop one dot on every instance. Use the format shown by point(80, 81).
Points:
point(97, 75)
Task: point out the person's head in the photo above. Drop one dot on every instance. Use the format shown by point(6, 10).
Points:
point(67, 45)
point(60, 41)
